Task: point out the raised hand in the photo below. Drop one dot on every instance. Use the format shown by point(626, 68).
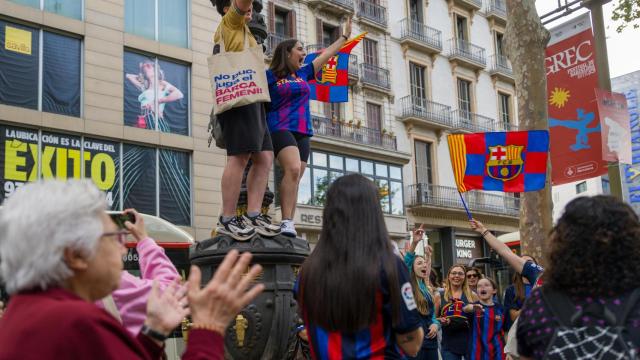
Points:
point(214, 306)
point(166, 309)
point(347, 28)
point(137, 229)
point(477, 226)
point(418, 233)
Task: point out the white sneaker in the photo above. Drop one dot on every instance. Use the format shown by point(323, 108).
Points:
point(287, 228)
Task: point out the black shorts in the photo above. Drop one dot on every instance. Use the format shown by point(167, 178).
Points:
point(245, 129)
point(283, 138)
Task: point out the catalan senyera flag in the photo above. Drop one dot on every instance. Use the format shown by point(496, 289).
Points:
point(514, 161)
point(332, 82)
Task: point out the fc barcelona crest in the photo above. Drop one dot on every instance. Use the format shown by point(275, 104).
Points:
point(505, 162)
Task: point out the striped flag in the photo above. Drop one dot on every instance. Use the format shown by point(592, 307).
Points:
point(332, 82)
point(513, 161)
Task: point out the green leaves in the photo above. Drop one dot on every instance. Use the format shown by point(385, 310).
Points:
point(628, 13)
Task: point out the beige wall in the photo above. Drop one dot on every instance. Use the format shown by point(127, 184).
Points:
point(104, 41)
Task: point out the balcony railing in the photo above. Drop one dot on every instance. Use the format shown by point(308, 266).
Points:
point(344, 3)
point(315, 47)
point(497, 7)
point(473, 3)
point(272, 42)
point(418, 107)
point(500, 63)
point(374, 75)
point(361, 135)
point(371, 11)
point(353, 65)
point(420, 32)
point(446, 196)
point(467, 50)
point(473, 122)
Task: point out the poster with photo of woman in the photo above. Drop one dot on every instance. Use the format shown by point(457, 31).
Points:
point(156, 94)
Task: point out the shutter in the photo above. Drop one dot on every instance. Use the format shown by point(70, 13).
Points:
point(319, 31)
point(272, 17)
point(292, 24)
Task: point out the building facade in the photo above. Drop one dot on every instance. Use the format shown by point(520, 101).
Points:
point(118, 91)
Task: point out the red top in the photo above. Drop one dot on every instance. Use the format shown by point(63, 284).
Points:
point(57, 324)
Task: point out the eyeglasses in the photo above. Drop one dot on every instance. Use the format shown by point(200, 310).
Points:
point(120, 235)
point(469, 276)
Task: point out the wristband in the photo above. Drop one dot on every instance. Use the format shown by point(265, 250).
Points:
point(484, 233)
point(155, 335)
point(346, 38)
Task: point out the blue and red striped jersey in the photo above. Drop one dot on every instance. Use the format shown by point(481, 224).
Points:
point(377, 341)
point(487, 338)
point(289, 107)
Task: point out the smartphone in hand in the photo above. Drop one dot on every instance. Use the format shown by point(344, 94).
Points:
point(121, 217)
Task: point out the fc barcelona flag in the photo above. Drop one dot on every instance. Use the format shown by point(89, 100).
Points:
point(513, 161)
point(332, 82)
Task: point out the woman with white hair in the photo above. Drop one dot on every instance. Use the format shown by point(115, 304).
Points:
point(61, 252)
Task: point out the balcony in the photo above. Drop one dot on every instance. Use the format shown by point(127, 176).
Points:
point(354, 74)
point(472, 5)
point(372, 13)
point(472, 122)
point(271, 43)
point(446, 197)
point(352, 133)
point(467, 54)
point(336, 7)
point(422, 111)
point(375, 76)
point(417, 35)
point(316, 47)
point(496, 10)
point(501, 68)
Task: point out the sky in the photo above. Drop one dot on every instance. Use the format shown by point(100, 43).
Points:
point(623, 48)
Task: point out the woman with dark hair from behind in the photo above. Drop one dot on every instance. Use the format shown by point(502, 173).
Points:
point(592, 258)
point(354, 293)
point(289, 117)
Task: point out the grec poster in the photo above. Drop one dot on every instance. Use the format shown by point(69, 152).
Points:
point(574, 124)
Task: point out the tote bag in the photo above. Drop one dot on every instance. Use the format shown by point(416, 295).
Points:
point(238, 78)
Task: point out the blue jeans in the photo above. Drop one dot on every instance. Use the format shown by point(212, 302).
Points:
point(446, 355)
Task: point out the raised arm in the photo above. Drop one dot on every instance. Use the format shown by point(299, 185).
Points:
point(516, 262)
point(332, 50)
point(133, 78)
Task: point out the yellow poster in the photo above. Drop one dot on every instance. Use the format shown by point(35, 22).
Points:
point(17, 40)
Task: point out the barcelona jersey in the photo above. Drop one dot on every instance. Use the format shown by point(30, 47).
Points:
point(377, 341)
point(289, 108)
point(487, 338)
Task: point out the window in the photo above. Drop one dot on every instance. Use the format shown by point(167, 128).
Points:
point(499, 44)
point(326, 34)
point(415, 11)
point(424, 168)
point(374, 116)
point(581, 187)
point(464, 98)
point(154, 181)
point(68, 8)
point(161, 105)
point(461, 28)
point(418, 87)
point(370, 51)
point(324, 168)
point(166, 21)
point(40, 70)
point(606, 186)
point(505, 110)
point(282, 23)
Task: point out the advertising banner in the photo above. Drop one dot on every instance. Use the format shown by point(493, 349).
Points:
point(574, 124)
point(616, 134)
point(28, 155)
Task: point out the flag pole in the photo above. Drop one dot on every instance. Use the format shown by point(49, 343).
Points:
point(465, 206)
